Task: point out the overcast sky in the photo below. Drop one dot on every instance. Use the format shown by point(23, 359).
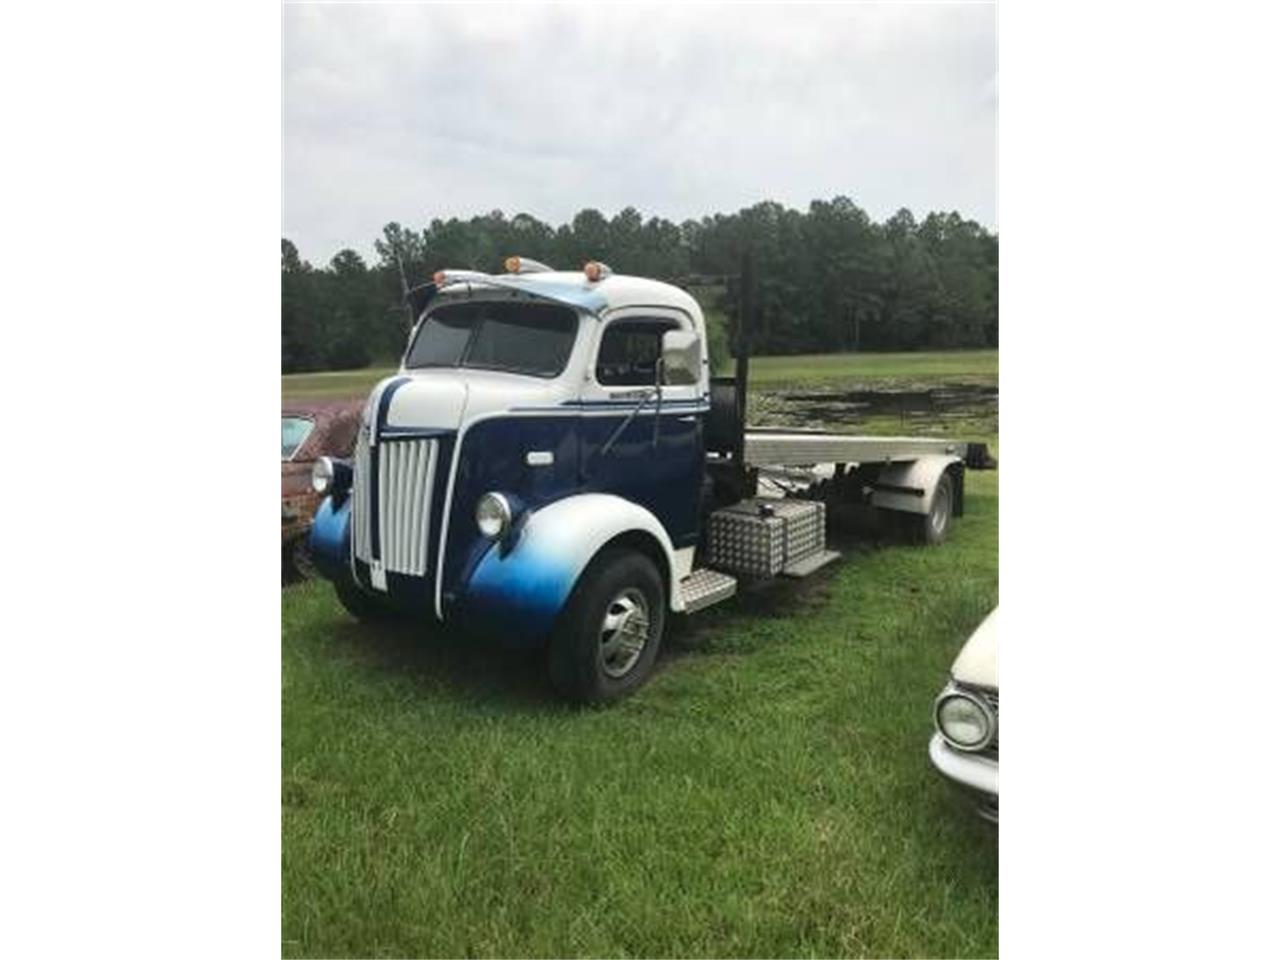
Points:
point(410, 113)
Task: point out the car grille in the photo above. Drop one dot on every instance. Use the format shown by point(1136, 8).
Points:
point(391, 515)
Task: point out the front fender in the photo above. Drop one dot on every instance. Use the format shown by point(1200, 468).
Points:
point(519, 587)
point(331, 539)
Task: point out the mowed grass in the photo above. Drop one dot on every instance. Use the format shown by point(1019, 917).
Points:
point(768, 793)
point(331, 384)
point(870, 368)
point(766, 372)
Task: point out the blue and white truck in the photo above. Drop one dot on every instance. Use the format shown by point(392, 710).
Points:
point(554, 465)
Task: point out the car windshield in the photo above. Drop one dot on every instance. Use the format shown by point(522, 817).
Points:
point(293, 432)
point(531, 338)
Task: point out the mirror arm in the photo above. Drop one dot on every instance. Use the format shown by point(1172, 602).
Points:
point(613, 437)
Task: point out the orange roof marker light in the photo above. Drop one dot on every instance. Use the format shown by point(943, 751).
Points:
point(596, 271)
point(525, 265)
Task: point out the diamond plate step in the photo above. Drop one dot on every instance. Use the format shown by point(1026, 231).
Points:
point(808, 564)
point(704, 587)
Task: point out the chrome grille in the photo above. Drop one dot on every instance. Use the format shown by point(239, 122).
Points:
point(361, 541)
point(406, 473)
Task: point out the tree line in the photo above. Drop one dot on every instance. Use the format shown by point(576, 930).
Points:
point(829, 279)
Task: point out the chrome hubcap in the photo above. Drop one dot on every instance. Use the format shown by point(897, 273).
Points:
point(624, 632)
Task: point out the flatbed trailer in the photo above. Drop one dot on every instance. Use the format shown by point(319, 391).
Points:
point(767, 447)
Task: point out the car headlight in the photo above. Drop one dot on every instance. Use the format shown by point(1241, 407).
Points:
point(493, 515)
point(322, 475)
point(965, 721)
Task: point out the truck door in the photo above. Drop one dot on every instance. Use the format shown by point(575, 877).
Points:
point(622, 452)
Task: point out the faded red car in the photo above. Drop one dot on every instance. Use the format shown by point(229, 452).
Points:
point(309, 430)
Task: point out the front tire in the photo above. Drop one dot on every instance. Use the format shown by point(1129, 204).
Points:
point(360, 605)
point(300, 558)
point(608, 636)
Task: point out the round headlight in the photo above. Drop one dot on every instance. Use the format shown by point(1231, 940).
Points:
point(964, 721)
point(322, 475)
point(493, 515)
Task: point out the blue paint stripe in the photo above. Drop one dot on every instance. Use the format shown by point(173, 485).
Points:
point(668, 406)
point(384, 404)
point(413, 433)
point(593, 404)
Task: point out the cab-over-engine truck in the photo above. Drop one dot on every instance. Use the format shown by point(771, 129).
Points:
point(554, 465)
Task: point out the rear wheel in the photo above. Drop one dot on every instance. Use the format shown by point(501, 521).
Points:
point(931, 528)
point(607, 638)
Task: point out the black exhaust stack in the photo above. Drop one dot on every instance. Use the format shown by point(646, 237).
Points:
point(742, 353)
point(726, 426)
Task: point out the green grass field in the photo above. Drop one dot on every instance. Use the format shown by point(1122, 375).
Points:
point(873, 368)
point(768, 793)
point(766, 372)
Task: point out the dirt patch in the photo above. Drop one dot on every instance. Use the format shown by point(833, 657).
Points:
point(918, 409)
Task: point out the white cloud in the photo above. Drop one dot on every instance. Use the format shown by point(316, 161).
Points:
point(414, 112)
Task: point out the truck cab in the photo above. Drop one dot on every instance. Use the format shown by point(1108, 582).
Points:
point(537, 470)
point(534, 425)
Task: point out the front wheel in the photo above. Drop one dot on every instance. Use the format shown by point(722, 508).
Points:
point(299, 559)
point(607, 638)
point(361, 605)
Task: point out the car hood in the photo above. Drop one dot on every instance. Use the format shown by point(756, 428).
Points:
point(445, 399)
point(978, 663)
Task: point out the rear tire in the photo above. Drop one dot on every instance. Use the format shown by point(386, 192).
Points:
point(607, 638)
point(931, 529)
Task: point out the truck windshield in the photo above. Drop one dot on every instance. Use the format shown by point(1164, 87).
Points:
point(532, 338)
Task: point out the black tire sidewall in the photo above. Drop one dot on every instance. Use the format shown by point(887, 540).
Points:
point(574, 652)
point(300, 559)
point(360, 605)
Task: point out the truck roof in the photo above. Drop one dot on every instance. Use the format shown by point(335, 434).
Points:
point(571, 287)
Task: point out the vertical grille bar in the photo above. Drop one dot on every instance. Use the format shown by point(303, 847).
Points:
point(360, 503)
point(392, 504)
point(431, 454)
point(415, 507)
point(383, 504)
point(404, 502)
point(367, 501)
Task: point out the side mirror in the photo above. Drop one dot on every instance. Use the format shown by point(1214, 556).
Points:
point(681, 357)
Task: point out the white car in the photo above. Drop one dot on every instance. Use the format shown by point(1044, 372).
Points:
point(966, 746)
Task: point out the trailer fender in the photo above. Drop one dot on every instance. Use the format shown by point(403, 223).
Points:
point(519, 586)
point(910, 487)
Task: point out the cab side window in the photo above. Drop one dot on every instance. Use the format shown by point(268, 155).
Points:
point(629, 352)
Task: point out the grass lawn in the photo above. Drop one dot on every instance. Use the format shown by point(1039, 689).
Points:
point(768, 793)
point(766, 372)
point(873, 368)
